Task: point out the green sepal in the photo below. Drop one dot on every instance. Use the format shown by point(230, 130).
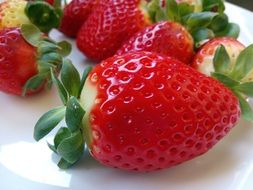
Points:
point(63, 164)
point(213, 5)
point(185, 9)
point(70, 78)
point(48, 122)
point(62, 134)
point(197, 20)
point(201, 34)
point(65, 48)
point(71, 149)
point(45, 47)
point(219, 22)
point(74, 114)
point(171, 10)
point(244, 64)
point(226, 80)
point(231, 30)
point(245, 88)
point(31, 34)
point(86, 72)
point(221, 61)
point(63, 93)
point(52, 147)
point(34, 83)
point(43, 15)
point(51, 57)
point(247, 112)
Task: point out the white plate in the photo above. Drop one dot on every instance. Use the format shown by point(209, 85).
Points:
point(25, 164)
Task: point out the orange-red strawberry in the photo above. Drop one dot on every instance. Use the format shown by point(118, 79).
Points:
point(141, 112)
point(74, 15)
point(110, 24)
point(25, 62)
point(203, 60)
point(166, 38)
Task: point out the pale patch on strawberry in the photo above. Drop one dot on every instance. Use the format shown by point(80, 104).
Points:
point(203, 60)
point(196, 3)
point(87, 100)
point(12, 14)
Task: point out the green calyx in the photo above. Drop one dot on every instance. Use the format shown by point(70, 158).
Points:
point(237, 77)
point(69, 141)
point(50, 56)
point(44, 15)
point(208, 22)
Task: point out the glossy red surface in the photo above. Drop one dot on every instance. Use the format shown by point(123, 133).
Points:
point(111, 23)
point(153, 112)
point(17, 61)
point(166, 38)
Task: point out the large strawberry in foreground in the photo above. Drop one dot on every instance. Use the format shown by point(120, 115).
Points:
point(139, 111)
point(110, 24)
point(26, 58)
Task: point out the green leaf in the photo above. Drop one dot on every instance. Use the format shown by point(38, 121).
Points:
point(43, 15)
point(153, 7)
point(185, 9)
point(247, 112)
point(219, 22)
point(48, 122)
point(45, 47)
point(172, 10)
point(62, 134)
point(70, 78)
point(31, 34)
point(51, 57)
point(65, 48)
point(221, 60)
point(72, 148)
point(201, 34)
point(198, 20)
point(61, 89)
point(63, 164)
point(244, 64)
point(213, 5)
point(74, 114)
point(232, 30)
point(84, 77)
point(52, 147)
point(226, 80)
point(34, 83)
point(245, 88)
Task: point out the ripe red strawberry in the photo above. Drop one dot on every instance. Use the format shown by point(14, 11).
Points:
point(25, 62)
point(166, 38)
point(140, 111)
point(51, 2)
point(203, 60)
point(111, 23)
point(74, 15)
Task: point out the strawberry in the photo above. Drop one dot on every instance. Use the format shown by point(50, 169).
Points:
point(14, 13)
point(166, 38)
point(203, 60)
point(51, 2)
point(140, 111)
point(203, 19)
point(26, 58)
point(110, 24)
point(75, 14)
